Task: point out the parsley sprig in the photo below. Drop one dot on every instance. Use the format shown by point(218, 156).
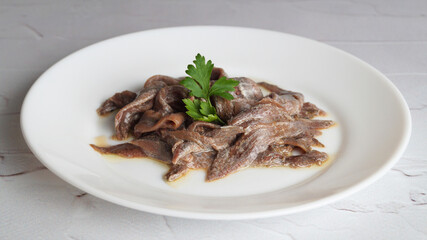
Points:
point(198, 83)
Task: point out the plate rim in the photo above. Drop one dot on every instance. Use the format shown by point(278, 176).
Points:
point(397, 153)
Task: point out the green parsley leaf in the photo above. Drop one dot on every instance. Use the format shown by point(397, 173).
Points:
point(201, 72)
point(193, 108)
point(223, 85)
point(193, 87)
point(207, 109)
point(209, 118)
point(225, 95)
point(199, 85)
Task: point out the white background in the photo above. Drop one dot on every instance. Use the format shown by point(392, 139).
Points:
point(35, 204)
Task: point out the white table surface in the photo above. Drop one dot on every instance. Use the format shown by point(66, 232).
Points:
point(34, 34)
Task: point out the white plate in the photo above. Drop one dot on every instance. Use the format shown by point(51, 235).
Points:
point(59, 121)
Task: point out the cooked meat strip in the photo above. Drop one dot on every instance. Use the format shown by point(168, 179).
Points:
point(306, 160)
point(171, 140)
point(291, 101)
point(126, 150)
point(280, 105)
point(202, 127)
point(317, 124)
point(188, 136)
point(257, 140)
point(291, 104)
point(197, 160)
point(176, 171)
point(308, 127)
point(261, 113)
point(247, 89)
point(148, 120)
point(217, 139)
point(198, 149)
point(240, 105)
point(218, 73)
point(115, 102)
point(155, 148)
point(246, 150)
point(305, 143)
point(128, 116)
point(160, 79)
point(247, 94)
point(276, 89)
point(273, 156)
point(152, 121)
point(169, 99)
point(200, 160)
point(182, 151)
point(224, 135)
point(224, 108)
point(150, 146)
point(272, 159)
point(309, 111)
point(281, 148)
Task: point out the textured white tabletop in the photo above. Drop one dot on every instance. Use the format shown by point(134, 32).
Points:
point(34, 34)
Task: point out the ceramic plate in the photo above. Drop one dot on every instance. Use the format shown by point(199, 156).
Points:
point(59, 121)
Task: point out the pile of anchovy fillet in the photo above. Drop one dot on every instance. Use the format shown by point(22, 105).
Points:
point(261, 131)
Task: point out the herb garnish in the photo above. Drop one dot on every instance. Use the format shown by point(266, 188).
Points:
point(199, 85)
